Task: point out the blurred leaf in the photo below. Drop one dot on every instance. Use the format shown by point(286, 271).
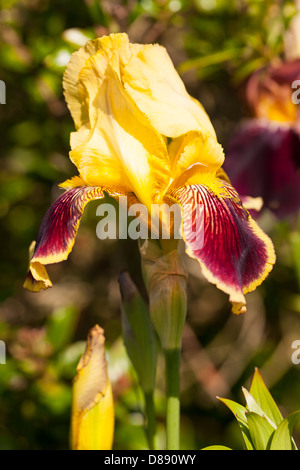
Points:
point(56, 396)
point(295, 243)
point(131, 436)
point(248, 68)
point(61, 326)
point(68, 358)
point(97, 13)
point(26, 133)
point(14, 189)
point(58, 60)
point(12, 60)
point(212, 59)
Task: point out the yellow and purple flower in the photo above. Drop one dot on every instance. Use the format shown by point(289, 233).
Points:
point(140, 134)
point(263, 157)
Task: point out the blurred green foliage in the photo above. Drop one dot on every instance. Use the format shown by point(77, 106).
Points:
point(215, 44)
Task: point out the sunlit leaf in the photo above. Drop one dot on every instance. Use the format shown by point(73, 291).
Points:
point(216, 447)
point(260, 430)
point(254, 407)
point(282, 437)
point(239, 412)
point(262, 396)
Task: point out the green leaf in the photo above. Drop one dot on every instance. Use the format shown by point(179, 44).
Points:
point(253, 406)
point(138, 333)
point(295, 244)
point(239, 412)
point(68, 358)
point(282, 437)
point(262, 396)
point(207, 60)
point(216, 447)
point(244, 71)
point(260, 430)
point(61, 326)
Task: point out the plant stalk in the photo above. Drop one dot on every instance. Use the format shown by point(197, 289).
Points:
point(172, 361)
point(151, 421)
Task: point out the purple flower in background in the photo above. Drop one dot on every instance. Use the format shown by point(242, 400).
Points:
point(263, 157)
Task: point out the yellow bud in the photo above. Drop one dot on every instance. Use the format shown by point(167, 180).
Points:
point(92, 408)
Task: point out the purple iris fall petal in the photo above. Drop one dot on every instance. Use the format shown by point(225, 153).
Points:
point(263, 160)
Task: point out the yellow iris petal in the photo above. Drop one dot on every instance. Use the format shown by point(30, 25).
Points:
point(152, 81)
point(76, 106)
point(121, 150)
point(76, 100)
point(192, 149)
point(126, 99)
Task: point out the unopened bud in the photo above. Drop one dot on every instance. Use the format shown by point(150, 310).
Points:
point(166, 280)
point(93, 409)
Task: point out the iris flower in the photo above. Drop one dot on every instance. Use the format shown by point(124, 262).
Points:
point(140, 134)
point(263, 157)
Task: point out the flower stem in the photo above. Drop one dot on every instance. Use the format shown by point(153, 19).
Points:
point(172, 358)
point(151, 422)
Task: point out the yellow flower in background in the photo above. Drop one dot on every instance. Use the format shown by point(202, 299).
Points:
point(140, 134)
point(93, 408)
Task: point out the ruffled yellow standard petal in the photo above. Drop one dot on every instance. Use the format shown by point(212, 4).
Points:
point(117, 146)
point(233, 252)
point(131, 99)
point(76, 100)
point(152, 81)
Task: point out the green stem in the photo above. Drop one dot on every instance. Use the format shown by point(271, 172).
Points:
point(172, 358)
point(151, 422)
